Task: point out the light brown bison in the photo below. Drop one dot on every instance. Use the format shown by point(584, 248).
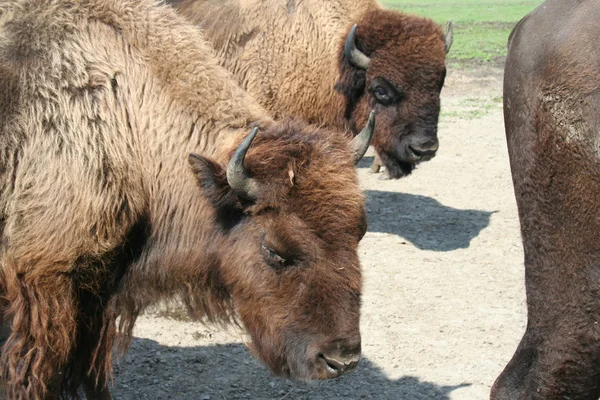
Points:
point(302, 58)
point(552, 117)
point(101, 215)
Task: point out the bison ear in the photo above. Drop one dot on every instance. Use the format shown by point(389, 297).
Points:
point(212, 180)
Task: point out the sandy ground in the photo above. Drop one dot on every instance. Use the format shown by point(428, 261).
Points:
point(443, 296)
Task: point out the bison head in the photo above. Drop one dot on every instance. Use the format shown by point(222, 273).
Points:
point(291, 215)
point(395, 64)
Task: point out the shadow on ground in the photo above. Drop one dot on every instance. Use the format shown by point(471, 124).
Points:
point(424, 221)
point(152, 371)
point(365, 162)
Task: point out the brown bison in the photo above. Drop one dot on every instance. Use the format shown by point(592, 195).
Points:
point(101, 215)
point(331, 62)
point(552, 116)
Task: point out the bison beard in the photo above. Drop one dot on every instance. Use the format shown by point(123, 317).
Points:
point(102, 216)
point(395, 168)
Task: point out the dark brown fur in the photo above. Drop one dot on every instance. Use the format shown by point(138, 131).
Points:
point(409, 53)
point(102, 216)
point(552, 115)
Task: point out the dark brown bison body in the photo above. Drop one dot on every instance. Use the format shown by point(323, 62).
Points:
point(102, 216)
point(552, 115)
point(290, 56)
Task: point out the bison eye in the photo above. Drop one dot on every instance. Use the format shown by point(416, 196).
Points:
point(381, 94)
point(384, 92)
point(272, 258)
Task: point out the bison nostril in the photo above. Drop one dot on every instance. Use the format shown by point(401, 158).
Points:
point(339, 356)
point(336, 366)
point(333, 367)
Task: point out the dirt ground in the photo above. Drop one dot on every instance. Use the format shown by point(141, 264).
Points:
point(443, 296)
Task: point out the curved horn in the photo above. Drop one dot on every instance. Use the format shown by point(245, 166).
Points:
point(361, 142)
point(449, 37)
point(237, 176)
point(355, 56)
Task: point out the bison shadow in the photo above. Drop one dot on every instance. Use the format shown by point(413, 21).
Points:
point(153, 371)
point(423, 221)
point(365, 162)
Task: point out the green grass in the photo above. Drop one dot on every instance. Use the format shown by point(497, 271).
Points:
point(481, 27)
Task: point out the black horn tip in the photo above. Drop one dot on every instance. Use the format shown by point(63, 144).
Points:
point(242, 149)
point(351, 38)
point(248, 140)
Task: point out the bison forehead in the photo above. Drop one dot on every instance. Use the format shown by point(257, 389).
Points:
point(380, 28)
point(425, 76)
point(399, 42)
point(332, 209)
point(333, 216)
point(409, 62)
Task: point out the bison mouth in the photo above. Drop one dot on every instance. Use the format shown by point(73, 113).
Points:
point(400, 165)
point(302, 360)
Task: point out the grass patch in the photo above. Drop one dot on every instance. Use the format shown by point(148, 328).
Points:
point(472, 108)
point(481, 27)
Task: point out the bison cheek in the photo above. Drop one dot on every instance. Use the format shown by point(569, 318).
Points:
point(266, 327)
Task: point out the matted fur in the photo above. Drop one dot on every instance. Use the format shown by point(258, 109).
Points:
point(102, 216)
point(289, 56)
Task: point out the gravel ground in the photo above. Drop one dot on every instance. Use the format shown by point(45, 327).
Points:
point(443, 296)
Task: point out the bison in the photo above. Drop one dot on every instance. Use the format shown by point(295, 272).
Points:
point(552, 115)
point(103, 212)
point(331, 62)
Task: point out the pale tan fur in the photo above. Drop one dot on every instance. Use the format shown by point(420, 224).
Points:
point(100, 214)
point(283, 52)
point(67, 123)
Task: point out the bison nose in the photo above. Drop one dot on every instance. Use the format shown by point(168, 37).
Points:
point(424, 150)
point(340, 356)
